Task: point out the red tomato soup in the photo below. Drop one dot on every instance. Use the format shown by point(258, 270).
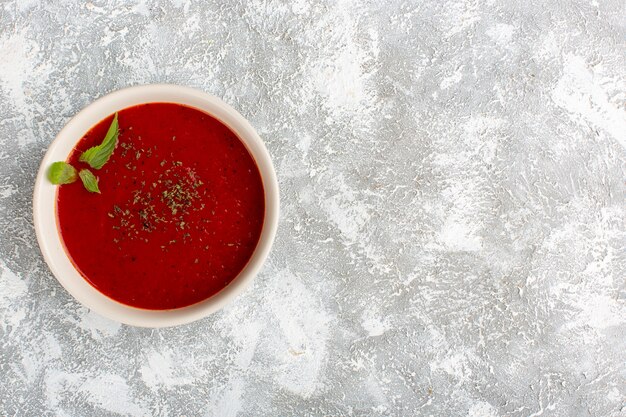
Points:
point(180, 211)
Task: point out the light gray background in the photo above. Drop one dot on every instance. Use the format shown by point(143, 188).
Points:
point(453, 230)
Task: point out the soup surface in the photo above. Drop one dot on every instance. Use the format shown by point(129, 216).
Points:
point(180, 211)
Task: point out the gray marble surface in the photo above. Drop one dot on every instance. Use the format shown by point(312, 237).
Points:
point(453, 230)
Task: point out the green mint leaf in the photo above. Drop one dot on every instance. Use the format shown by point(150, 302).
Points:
point(97, 156)
point(61, 173)
point(89, 181)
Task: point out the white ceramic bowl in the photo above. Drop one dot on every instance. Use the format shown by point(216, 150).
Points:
point(44, 200)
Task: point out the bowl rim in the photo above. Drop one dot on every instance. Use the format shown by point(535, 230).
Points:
point(46, 224)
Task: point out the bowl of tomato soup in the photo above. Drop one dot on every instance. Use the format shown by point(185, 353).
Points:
point(176, 216)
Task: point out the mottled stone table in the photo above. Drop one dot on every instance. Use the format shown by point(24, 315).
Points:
point(453, 230)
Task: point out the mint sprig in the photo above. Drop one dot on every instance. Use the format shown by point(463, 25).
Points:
point(89, 181)
point(62, 173)
point(97, 156)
